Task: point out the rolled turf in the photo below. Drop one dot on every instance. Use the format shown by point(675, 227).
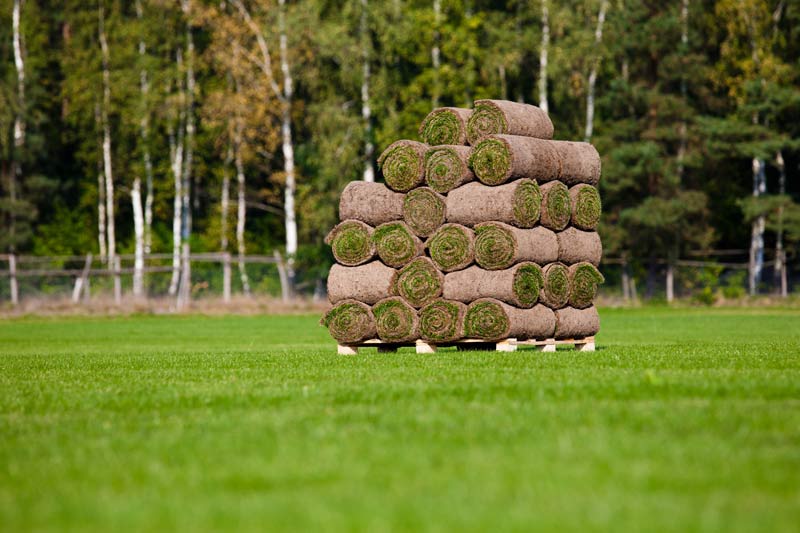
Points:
point(371, 203)
point(395, 320)
point(452, 247)
point(498, 245)
point(403, 165)
point(501, 158)
point(350, 322)
point(351, 242)
point(586, 206)
point(447, 167)
point(575, 245)
point(490, 319)
point(396, 244)
point(517, 203)
point(501, 116)
point(366, 283)
point(419, 282)
point(580, 163)
point(442, 321)
point(556, 207)
point(424, 211)
point(445, 125)
point(518, 286)
point(584, 280)
point(574, 323)
point(556, 287)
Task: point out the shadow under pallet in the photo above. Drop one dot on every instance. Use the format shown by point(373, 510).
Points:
point(585, 344)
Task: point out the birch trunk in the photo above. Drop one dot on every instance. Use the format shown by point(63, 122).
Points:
point(225, 199)
point(19, 121)
point(543, 53)
point(176, 164)
point(366, 111)
point(598, 39)
point(138, 230)
point(435, 52)
point(758, 228)
point(684, 91)
point(780, 253)
point(101, 191)
point(107, 163)
point(144, 87)
point(241, 210)
point(186, 230)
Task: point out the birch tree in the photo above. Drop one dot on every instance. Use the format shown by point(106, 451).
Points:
point(176, 140)
point(186, 223)
point(108, 172)
point(435, 51)
point(366, 110)
point(598, 40)
point(144, 125)
point(543, 53)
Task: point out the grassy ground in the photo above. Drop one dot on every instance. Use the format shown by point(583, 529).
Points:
point(683, 420)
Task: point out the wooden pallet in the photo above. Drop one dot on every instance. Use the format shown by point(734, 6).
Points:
point(507, 345)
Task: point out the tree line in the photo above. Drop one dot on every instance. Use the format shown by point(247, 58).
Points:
point(178, 126)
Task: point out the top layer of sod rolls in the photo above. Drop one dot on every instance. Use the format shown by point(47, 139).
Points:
point(403, 165)
point(500, 116)
point(445, 125)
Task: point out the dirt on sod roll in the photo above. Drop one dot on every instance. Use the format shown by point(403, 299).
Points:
point(403, 165)
point(445, 125)
point(396, 244)
point(556, 287)
point(419, 282)
point(501, 116)
point(395, 320)
point(584, 279)
point(452, 247)
point(501, 158)
point(556, 208)
point(517, 203)
point(574, 323)
point(350, 322)
point(366, 283)
point(447, 167)
point(351, 242)
point(586, 206)
point(424, 211)
point(576, 245)
point(442, 321)
point(372, 203)
point(490, 319)
point(580, 163)
point(518, 286)
point(499, 246)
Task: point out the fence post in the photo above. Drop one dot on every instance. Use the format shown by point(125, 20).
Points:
point(226, 277)
point(117, 281)
point(82, 282)
point(185, 285)
point(283, 276)
point(12, 279)
point(626, 281)
point(670, 282)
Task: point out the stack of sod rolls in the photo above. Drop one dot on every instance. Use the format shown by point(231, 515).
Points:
point(486, 229)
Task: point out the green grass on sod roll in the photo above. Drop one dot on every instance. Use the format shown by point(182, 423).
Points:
point(556, 285)
point(350, 322)
point(442, 321)
point(451, 247)
point(485, 320)
point(395, 320)
point(587, 208)
point(401, 166)
point(583, 285)
point(527, 203)
point(351, 243)
point(495, 247)
point(419, 282)
point(685, 419)
point(395, 244)
point(441, 127)
point(486, 120)
point(423, 211)
point(491, 161)
point(557, 210)
point(528, 282)
point(443, 169)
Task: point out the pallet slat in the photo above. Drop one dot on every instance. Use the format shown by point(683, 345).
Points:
point(586, 344)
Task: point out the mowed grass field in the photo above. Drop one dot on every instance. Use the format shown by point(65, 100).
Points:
point(683, 420)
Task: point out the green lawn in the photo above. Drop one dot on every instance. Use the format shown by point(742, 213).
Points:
point(683, 420)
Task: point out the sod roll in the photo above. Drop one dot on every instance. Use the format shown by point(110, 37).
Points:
point(498, 245)
point(371, 203)
point(574, 323)
point(424, 211)
point(351, 242)
point(447, 167)
point(419, 282)
point(575, 245)
point(366, 283)
point(584, 280)
point(580, 162)
point(586, 206)
point(452, 247)
point(490, 319)
point(518, 286)
point(501, 158)
point(501, 116)
point(445, 125)
point(442, 321)
point(395, 320)
point(396, 244)
point(556, 286)
point(556, 207)
point(403, 165)
point(350, 322)
point(517, 203)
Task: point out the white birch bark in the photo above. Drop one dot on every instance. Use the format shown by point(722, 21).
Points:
point(101, 184)
point(756, 263)
point(780, 253)
point(598, 39)
point(435, 52)
point(241, 209)
point(19, 118)
point(186, 230)
point(138, 230)
point(107, 159)
point(225, 198)
point(366, 111)
point(176, 165)
point(543, 53)
point(144, 125)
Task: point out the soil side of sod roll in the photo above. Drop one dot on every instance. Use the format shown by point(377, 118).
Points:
point(501, 116)
point(371, 203)
point(575, 245)
point(442, 321)
point(501, 158)
point(586, 206)
point(396, 245)
point(447, 167)
point(452, 247)
point(350, 322)
point(556, 207)
point(419, 282)
point(403, 165)
point(517, 203)
point(351, 242)
point(490, 319)
point(574, 323)
point(580, 162)
point(498, 246)
point(518, 286)
point(556, 286)
point(424, 210)
point(584, 280)
point(366, 283)
point(445, 125)
point(395, 320)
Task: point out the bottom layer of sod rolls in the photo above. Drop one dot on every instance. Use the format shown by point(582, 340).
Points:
point(574, 323)
point(584, 279)
point(350, 322)
point(395, 320)
point(519, 285)
point(492, 320)
point(442, 321)
point(351, 242)
point(419, 282)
